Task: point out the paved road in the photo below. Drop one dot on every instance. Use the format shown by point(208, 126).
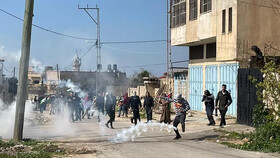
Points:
point(89, 134)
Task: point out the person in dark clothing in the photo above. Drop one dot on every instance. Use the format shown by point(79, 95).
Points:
point(121, 106)
point(223, 100)
point(126, 104)
point(181, 108)
point(208, 100)
point(71, 106)
point(60, 103)
point(148, 105)
point(78, 108)
point(100, 106)
point(110, 105)
point(135, 104)
point(35, 101)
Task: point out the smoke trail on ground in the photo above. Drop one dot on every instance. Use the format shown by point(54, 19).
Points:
point(135, 131)
point(7, 117)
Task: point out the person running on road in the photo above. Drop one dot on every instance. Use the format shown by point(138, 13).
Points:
point(181, 108)
point(110, 105)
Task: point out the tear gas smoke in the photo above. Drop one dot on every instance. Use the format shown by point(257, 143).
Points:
point(7, 118)
point(38, 67)
point(135, 131)
point(14, 57)
point(72, 87)
point(9, 56)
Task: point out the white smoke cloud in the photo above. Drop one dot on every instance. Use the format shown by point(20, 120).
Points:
point(7, 117)
point(9, 56)
point(73, 87)
point(14, 57)
point(38, 66)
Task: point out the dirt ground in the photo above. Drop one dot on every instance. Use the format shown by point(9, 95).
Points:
point(89, 138)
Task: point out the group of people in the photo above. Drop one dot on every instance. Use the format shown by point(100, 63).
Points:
point(221, 103)
point(105, 104)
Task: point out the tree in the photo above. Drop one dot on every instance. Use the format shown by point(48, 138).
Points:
point(137, 77)
point(268, 94)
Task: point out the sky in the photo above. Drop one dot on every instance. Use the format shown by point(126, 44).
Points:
point(121, 20)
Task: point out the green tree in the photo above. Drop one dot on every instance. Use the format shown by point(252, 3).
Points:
point(137, 77)
point(268, 94)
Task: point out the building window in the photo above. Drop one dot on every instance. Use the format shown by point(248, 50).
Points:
point(211, 50)
point(178, 16)
point(205, 5)
point(224, 22)
point(230, 20)
point(196, 52)
point(193, 9)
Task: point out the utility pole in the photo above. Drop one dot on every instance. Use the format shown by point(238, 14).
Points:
point(167, 47)
point(98, 44)
point(23, 70)
point(57, 73)
point(14, 75)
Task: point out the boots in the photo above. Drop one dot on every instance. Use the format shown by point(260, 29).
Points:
point(183, 128)
point(178, 136)
point(111, 123)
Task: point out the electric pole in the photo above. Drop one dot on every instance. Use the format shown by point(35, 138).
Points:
point(23, 70)
point(14, 73)
point(167, 47)
point(98, 45)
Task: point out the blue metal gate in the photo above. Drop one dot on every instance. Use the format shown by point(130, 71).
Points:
point(211, 79)
point(228, 76)
point(195, 87)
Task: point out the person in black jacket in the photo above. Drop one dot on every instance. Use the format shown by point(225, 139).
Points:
point(100, 106)
point(208, 100)
point(223, 100)
point(110, 105)
point(135, 104)
point(148, 105)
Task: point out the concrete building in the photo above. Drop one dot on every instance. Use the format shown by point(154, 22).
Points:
point(220, 34)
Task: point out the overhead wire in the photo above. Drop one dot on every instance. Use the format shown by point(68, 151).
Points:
point(48, 30)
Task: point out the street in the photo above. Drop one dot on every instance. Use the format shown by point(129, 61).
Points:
point(97, 140)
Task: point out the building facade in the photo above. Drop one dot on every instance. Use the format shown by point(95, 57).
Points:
point(220, 34)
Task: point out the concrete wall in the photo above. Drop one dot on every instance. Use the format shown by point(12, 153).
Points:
point(226, 42)
point(203, 28)
point(257, 25)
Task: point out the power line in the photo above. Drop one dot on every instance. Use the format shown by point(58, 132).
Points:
point(123, 67)
point(48, 30)
point(127, 42)
point(88, 50)
point(132, 52)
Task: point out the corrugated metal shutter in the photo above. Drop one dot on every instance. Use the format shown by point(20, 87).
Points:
point(228, 76)
point(196, 87)
point(211, 79)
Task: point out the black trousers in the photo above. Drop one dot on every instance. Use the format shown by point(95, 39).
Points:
point(209, 113)
point(149, 113)
point(71, 109)
point(179, 119)
point(111, 114)
point(223, 117)
point(136, 116)
point(78, 111)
